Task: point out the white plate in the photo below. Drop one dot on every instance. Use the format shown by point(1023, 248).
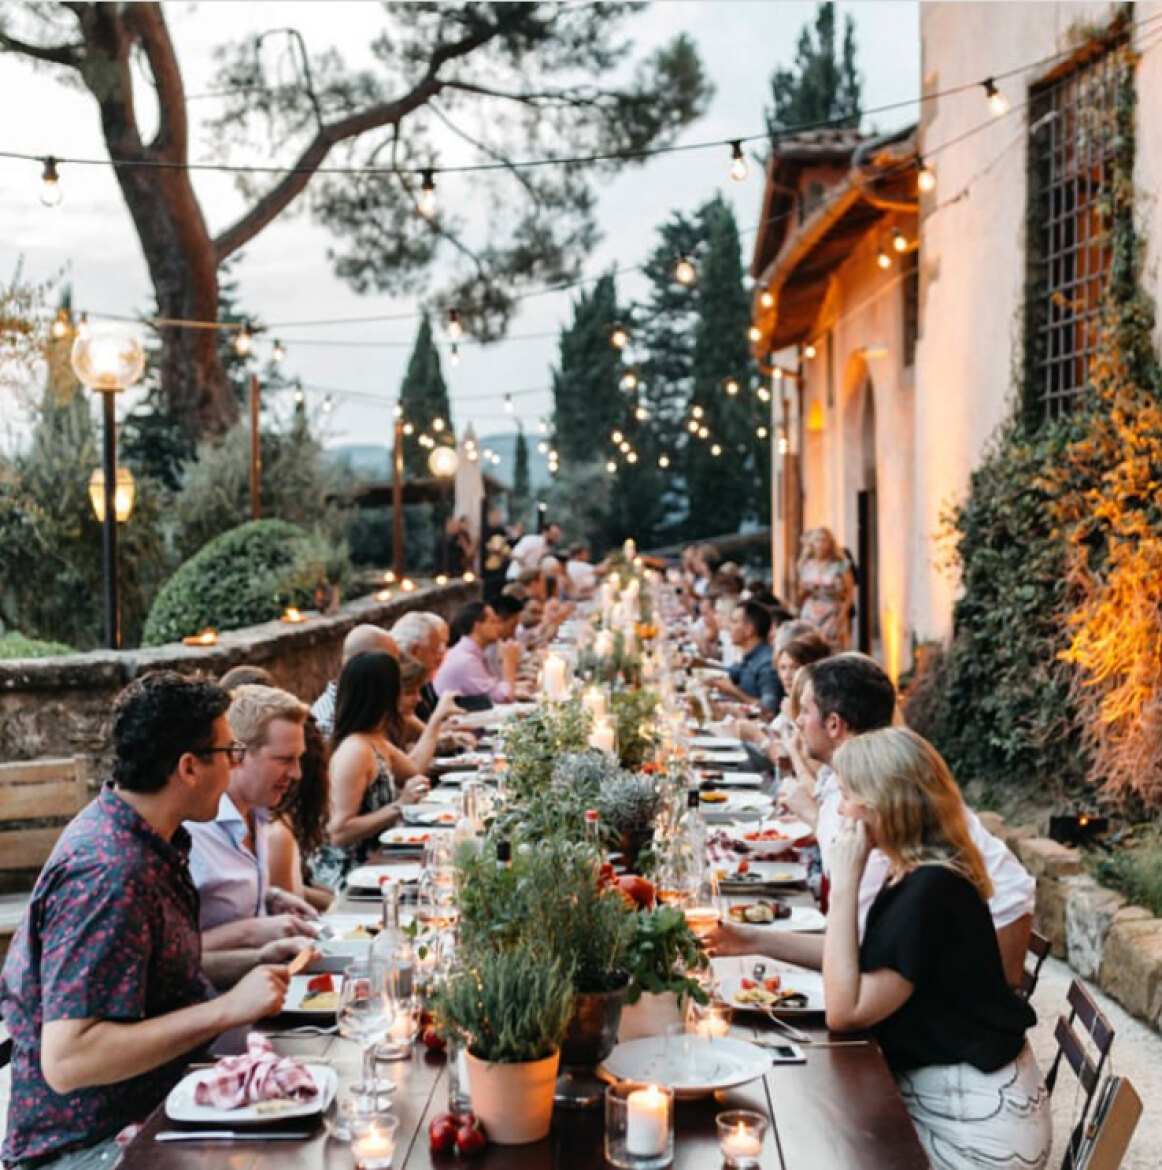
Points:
point(688, 1064)
point(765, 873)
point(464, 760)
point(443, 796)
point(804, 919)
point(792, 831)
point(750, 805)
point(453, 778)
point(427, 814)
point(729, 973)
point(180, 1104)
point(368, 877)
point(715, 741)
point(733, 755)
point(406, 839)
point(735, 779)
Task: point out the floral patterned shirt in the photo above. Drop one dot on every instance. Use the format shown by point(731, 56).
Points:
point(111, 933)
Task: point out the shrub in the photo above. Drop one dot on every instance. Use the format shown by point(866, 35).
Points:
point(1135, 869)
point(18, 646)
point(246, 576)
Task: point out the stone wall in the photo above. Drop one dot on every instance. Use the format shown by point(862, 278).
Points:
point(1107, 942)
point(61, 706)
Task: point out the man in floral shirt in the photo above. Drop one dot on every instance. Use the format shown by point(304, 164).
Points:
point(103, 991)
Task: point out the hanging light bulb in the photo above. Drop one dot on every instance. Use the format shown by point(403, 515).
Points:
point(731, 386)
point(762, 432)
point(809, 351)
point(704, 432)
point(455, 329)
point(697, 411)
point(767, 299)
point(738, 168)
point(611, 467)
point(437, 424)
point(300, 397)
point(692, 427)
point(883, 259)
point(997, 102)
point(624, 446)
point(617, 436)
point(245, 340)
point(454, 355)
point(50, 184)
point(543, 447)
point(328, 404)
point(684, 271)
point(763, 394)
point(277, 354)
point(716, 450)
point(409, 428)
point(60, 327)
point(508, 404)
point(925, 176)
point(641, 414)
point(428, 205)
point(543, 426)
point(754, 333)
point(628, 380)
point(618, 337)
point(663, 461)
point(397, 410)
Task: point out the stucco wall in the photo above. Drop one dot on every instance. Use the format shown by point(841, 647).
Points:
point(972, 260)
point(61, 706)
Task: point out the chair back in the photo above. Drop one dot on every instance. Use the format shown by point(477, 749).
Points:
point(1086, 1061)
point(1115, 1117)
point(1034, 961)
point(37, 799)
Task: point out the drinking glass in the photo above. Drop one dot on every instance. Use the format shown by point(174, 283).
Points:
point(365, 1015)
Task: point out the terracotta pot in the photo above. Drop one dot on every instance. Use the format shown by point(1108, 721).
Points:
point(650, 1016)
point(514, 1101)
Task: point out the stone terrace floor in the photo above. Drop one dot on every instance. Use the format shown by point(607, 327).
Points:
point(1137, 1053)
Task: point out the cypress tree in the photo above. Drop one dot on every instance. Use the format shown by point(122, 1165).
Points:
point(424, 398)
point(521, 489)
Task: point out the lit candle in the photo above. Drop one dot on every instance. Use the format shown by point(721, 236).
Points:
point(205, 638)
point(629, 550)
point(383, 595)
point(602, 737)
point(553, 681)
point(292, 616)
point(741, 1142)
point(594, 701)
point(647, 1122)
point(603, 644)
point(374, 1148)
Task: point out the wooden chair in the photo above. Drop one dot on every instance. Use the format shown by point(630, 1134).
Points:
point(1083, 1011)
point(1034, 961)
point(1115, 1117)
point(37, 799)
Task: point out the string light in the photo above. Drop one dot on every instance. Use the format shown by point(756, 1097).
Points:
point(697, 411)
point(437, 424)
point(663, 461)
point(925, 176)
point(611, 467)
point(509, 405)
point(755, 333)
point(809, 350)
point(300, 397)
point(899, 240)
point(883, 259)
point(762, 432)
point(455, 329)
point(731, 387)
point(716, 450)
point(618, 337)
point(767, 300)
point(50, 183)
point(684, 271)
point(997, 102)
point(83, 325)
point(409, 428)
point(763, 394)
point(692, 427)
point(641, 414)
point(623, 446)
point(629, 380)
point(704, 432)
point(542, 448)
point(617, 436)
point(397, 410)
point(277, 353)
point(738, 168)
point(328, 404)
point(60, 326)
point(428, 203)
point(244, 340)
point(543, 426)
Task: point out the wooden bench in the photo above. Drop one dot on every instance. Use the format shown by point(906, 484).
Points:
point(37, 799)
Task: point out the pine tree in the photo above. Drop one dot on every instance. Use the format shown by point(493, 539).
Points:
point(424, 399)
point(585, 383)
point(824, 83)
point(521, 487)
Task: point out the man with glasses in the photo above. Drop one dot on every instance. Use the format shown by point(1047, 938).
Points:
point(103, 991)
point(240, 912)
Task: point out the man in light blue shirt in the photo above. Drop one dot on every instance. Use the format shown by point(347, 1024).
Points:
point(239, 908)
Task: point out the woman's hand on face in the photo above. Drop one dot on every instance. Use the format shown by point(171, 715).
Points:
point(849, 853)
point(415, 790)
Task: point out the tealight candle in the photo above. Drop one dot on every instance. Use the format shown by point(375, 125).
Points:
point(740, 1137)
point(383, 595)
point(629, 550)
point(374, 1142)
point(292, 616)
point(205, 638)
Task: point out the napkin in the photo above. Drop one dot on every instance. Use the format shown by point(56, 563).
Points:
point(260, 1074)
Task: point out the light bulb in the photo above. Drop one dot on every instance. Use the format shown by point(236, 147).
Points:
point(628, 380)
point(428, 204)
point(611, 467)
point(543, 447)
point(767, 299)
point(83, 325)
point(409, 428)
point(703, 432)
point(245, 340)
point(623, 446)
point(899, 240)
point(684, 271)
point(883, 259)
point(618, 337)
point(508, 404)
point(997, 102)
point(716, 450)
point(763, 394)
point(762, 432)
point(397, 410)
point(731, 387)
point(50, 183)
point(738, 168)
point(277, 353)
point(631, 457)
point(692, 427)
point(437, 424)
point(697, 411)
point(617, 436)
point(754, 333)
point(455, 329)
point(60, 327)
point(300, 398)
point(925, 176)
point(328, 404)
point(809, 351)
point(641, 414)
point(663, 461)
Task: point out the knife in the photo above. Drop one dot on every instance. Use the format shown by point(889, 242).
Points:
point(229, 1135)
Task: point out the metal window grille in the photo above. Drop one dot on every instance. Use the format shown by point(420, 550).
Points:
point(1071, 147)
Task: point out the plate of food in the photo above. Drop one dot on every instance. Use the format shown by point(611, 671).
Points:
point(255, 1088)
point(746, 876)
point(726, 806)
point(406, 840)
point(732, 779)
point(313, 995)
point(690, 1065)
point(772, 914)
point(791, 992)
point(452, 779)
point(733, 755)
point(427, 814)
point(366, 878)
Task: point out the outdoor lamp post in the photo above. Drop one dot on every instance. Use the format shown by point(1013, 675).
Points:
point(124, 494)
point(108, 361)
point(442, 463)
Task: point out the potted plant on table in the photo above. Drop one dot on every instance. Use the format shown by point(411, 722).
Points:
point(509, 1008)
point(663, 959)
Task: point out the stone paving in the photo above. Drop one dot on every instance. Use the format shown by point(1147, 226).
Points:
point(1137, 1053)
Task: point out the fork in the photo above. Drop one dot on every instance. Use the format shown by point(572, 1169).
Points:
point(306, 1030)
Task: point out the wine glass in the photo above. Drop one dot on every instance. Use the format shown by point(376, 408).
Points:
point(366, 1011)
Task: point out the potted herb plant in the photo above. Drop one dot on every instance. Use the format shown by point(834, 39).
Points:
point(510, 1009)
point(629, 803)
point(664, 955)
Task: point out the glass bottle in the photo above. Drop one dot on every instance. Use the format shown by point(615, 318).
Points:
point(694, 831)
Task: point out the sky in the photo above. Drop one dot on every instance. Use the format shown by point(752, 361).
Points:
point(285, 275)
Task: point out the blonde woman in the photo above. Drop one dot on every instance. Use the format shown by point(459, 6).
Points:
point(826, 588)
point(927, 979)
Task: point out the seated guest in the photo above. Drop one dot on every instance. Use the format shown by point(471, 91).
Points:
point(753, 677)
point(371, 777)
point(359, 640)
point(239, 908)
point(844, 697)
point(508, 610)
point(465, 667)
point(103, 991)
point(245, 676)
point(421, 740)
point(582, 575)
point(424, 636)
point(927, 977)
point(530, 550)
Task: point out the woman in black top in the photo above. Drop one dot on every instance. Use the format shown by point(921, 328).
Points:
point(928, 979)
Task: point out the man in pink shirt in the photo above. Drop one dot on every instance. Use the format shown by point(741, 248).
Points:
point(465, 669)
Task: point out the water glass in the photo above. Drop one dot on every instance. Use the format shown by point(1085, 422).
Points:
point(365, 1015)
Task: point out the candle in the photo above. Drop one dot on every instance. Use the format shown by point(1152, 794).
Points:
point(553, 681)
point(740, 1137)
point(292, 616)
point(629, 550)
point(647, 1124)
point(741, 1142)
point(374, 1146)
point(602, 737)
point(205, 638)
point(603, 644)
point(594, 701)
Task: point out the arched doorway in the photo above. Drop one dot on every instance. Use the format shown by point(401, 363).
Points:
point(867, 633)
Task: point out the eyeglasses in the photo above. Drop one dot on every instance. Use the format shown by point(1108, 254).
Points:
point(235, 753)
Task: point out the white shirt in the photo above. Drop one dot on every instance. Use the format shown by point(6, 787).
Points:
point(1014, 890)
point(527, 553)
point(582, 578)
point(231, 880)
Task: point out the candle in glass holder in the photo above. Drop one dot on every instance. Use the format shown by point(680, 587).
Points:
point(373, 1143)
point(602, 737)
point(647, 1123)
point(740, 1137)
point(553, 678)
point(594, 701)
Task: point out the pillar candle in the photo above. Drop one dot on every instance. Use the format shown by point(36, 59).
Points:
point(647, 1122)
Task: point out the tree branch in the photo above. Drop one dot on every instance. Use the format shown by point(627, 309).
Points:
point(283, 193)
point(68, 55)
point(172, 138)
point(488, 152)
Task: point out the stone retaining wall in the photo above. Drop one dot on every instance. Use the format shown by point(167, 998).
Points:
point(1105, 940)
point(61, 706)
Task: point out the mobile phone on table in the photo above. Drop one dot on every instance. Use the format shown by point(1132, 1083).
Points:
point(784, 1052)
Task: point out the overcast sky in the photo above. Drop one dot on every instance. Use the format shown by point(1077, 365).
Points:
point(285, 275)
